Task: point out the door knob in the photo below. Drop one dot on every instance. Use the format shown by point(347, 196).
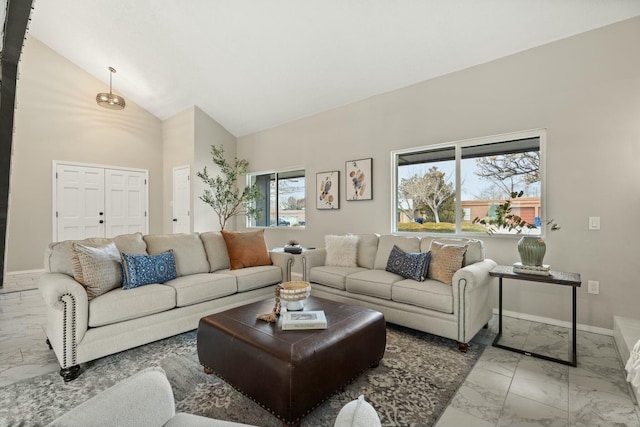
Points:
point(101, 222)
point(101, 213)
point(175, 219)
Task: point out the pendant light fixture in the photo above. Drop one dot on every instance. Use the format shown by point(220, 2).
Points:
point(109, 100)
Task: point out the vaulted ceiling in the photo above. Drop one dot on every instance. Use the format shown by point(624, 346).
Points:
point(254, 64)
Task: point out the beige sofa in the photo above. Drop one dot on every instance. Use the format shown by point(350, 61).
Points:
point(456, 311)
point(80, 329)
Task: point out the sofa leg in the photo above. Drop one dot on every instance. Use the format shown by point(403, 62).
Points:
point(463, 346)
point(486, 326)
point(49, 344)
point(70, 373)
point(207, 370)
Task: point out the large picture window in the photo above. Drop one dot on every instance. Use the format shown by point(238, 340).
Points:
point(443, 188)
point(283, 198)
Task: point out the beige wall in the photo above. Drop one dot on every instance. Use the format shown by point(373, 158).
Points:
point(584, 90)
point(57, 118)
point(208, 132)
point(187, 139)
point(177, 150)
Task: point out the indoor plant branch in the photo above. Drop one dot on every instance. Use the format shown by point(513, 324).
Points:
point(223, 194)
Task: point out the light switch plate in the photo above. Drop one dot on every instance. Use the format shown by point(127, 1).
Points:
point(594, 223)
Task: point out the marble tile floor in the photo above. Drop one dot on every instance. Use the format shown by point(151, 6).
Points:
point(503, 389)
point(509, 389)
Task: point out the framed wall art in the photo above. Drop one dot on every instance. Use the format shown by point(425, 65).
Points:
point(358, 180)
point(328, 190)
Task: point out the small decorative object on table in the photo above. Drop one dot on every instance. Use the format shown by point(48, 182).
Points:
point(304, 320)
point(293, 247)
point(541, 270)
point(294, 293)
point(273, 316)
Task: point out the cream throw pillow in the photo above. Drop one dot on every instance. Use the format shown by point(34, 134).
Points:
point(98, 269)
point(342, 251)
point(445, 261)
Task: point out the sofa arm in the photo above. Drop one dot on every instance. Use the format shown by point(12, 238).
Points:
point(67, 308)
point(312, 258)
point(145, 399)
point(471, 298)
point(285, 261)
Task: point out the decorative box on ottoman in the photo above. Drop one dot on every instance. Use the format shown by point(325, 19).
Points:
point(289, 373)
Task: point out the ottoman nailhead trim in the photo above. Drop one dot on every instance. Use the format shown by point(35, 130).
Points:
point(269, 409)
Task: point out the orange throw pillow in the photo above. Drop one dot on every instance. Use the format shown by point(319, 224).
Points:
point(246, 249)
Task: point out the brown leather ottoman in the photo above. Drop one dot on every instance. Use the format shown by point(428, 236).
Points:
point(289, 373)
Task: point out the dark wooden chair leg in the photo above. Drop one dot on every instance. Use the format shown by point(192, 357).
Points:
point(49, 344)
point(70, 373)
point(463, 346)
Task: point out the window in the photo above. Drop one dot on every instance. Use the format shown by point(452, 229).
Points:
point(283, 198)
point(444, 188)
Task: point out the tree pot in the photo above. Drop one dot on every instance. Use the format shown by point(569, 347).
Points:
point(532, 250)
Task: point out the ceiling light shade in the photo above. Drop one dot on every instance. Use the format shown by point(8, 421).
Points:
point(109, 100)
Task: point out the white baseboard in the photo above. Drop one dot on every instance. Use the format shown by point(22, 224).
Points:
point(18, 273)
point(554, 322)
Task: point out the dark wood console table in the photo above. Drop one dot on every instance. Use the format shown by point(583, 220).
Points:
point(555, 278)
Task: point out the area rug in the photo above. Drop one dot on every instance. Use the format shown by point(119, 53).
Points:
point(416, 379)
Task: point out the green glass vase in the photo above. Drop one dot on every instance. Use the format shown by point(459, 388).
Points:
point(532, 250)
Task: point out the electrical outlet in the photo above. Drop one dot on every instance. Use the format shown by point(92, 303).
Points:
point(593, 287)
point(594, 223)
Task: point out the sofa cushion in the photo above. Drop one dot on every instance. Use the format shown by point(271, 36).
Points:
point(386, 242)
point(410, 265)
point(59, 254)
point(98, 269)
point(140, 270)
point(332, 276)
point(475, 247)
point(255, 277)
point(188, 251)
point(429, 294)
point(246, 249)
point(342, 251)
point(375, 283)
point(445, 261)
point(201, 287)
point(120, 304)
point(131, 243)
point(367, 248)
point(216, 250)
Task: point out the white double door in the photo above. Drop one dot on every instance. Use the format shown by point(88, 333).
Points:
point(94, 201)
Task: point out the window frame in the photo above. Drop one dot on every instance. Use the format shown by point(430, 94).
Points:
point(458, 146)
point(276, 172)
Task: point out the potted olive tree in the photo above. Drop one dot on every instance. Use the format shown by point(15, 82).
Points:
point(223, 195)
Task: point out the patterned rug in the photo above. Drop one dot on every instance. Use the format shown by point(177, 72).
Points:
point(413, 384)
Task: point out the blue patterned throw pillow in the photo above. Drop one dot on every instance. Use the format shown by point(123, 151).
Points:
point(410, 265)
point(140, 270)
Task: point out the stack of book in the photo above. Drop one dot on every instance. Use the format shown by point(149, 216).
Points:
point(303, 320)
point(541, 270)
